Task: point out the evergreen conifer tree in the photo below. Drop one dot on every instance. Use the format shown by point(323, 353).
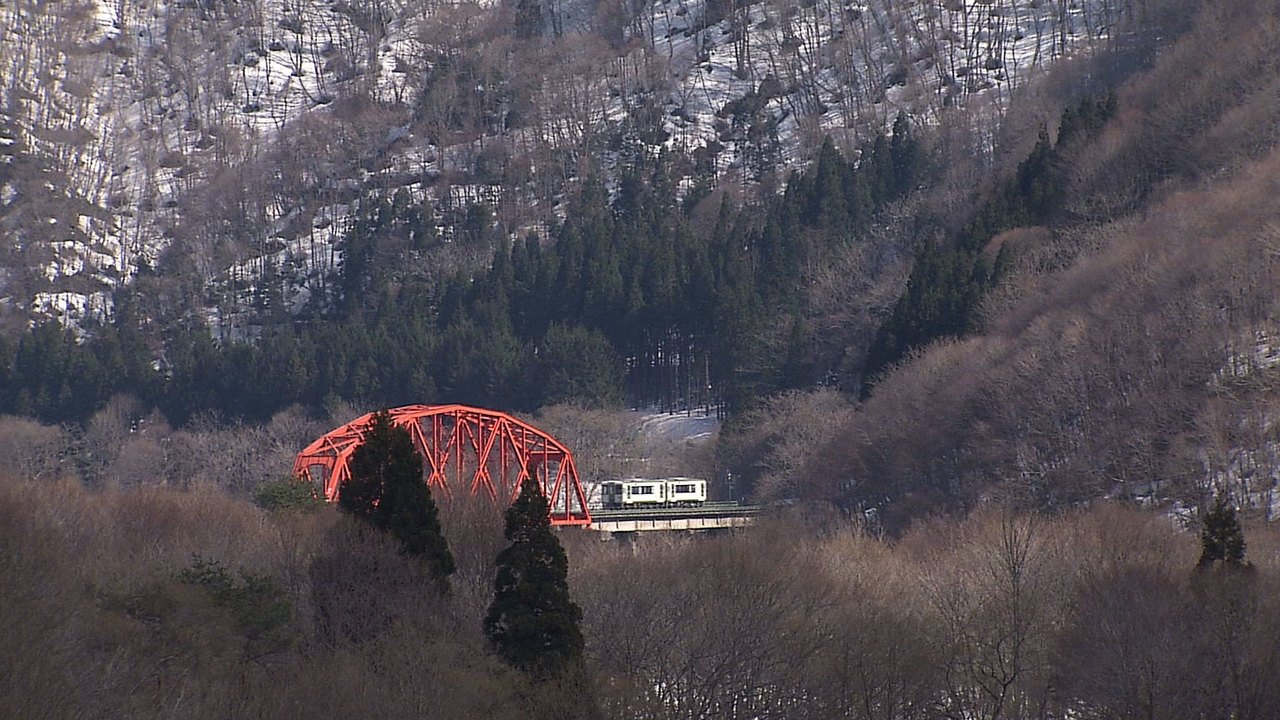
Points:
point(532, 622)
point(528, 20)
point(905, 155)
point(386, 489)
point(1221, 539)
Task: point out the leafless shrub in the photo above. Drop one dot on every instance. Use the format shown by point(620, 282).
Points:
point(780, 438)
point(604, 442)
point(1094, 613)
point(33, 450)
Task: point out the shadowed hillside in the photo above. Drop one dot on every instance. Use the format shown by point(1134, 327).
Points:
point(1130, 351)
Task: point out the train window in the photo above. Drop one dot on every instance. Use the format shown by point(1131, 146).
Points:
point(684, 488)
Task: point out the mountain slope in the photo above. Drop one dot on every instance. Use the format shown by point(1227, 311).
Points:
point(228, 142)
point(1132, 353)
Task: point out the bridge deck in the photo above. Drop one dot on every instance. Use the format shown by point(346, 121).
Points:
point(709, 516)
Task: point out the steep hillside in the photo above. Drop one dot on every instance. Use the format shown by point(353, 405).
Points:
point(497, 205)
point(225, 147)
point(1132, 352)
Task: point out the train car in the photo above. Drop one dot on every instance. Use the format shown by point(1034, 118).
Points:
point(633, 493)
point(686, 491)
point(642, 493)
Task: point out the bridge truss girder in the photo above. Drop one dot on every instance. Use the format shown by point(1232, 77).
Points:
point(486, 451)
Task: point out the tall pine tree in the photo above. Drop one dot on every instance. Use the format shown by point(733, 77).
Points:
point(386, 489)
point(532, 622)
point(1221, 539)
point(528, 20)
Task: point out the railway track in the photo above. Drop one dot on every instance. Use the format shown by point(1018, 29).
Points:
point(718, 509)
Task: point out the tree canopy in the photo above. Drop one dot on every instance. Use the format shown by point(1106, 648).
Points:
point(532, 623)
point(1221, 538)
point(387, 490)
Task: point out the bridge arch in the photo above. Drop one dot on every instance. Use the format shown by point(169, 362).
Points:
point(488, 451)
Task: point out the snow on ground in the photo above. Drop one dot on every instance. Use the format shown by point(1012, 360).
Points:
point(72, 306)
point(130, 132)
point(1252, 476)
point(819, 67)
point(1250, 473)
point(1265, 355)
point(126, 99)
point(696, 427)
point(847, 68)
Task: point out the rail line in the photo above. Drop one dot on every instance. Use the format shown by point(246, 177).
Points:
point(708, 516)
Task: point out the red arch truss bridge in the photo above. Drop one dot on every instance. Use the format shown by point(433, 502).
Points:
point(487, 451)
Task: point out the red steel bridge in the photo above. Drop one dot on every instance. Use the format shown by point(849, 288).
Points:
point(463, 449)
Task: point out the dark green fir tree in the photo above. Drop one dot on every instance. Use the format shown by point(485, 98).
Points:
point(386, 489)
point(1221, 539)
point(533, 623)
point(528, 20)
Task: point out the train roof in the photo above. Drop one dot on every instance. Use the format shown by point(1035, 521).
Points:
point(676, 478)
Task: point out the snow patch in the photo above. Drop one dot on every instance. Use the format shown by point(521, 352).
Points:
point(1252, 475)
point(73, 308)
point(693, 427)
point(746, 92)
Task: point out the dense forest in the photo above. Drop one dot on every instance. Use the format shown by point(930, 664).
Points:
point(999, 364)
point(874, 329)
point(626, 302)
point(192, 604)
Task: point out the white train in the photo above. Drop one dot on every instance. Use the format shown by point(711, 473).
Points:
point(642, 492)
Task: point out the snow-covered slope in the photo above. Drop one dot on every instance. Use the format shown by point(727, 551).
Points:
point(129, 127)
point(845, 69)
